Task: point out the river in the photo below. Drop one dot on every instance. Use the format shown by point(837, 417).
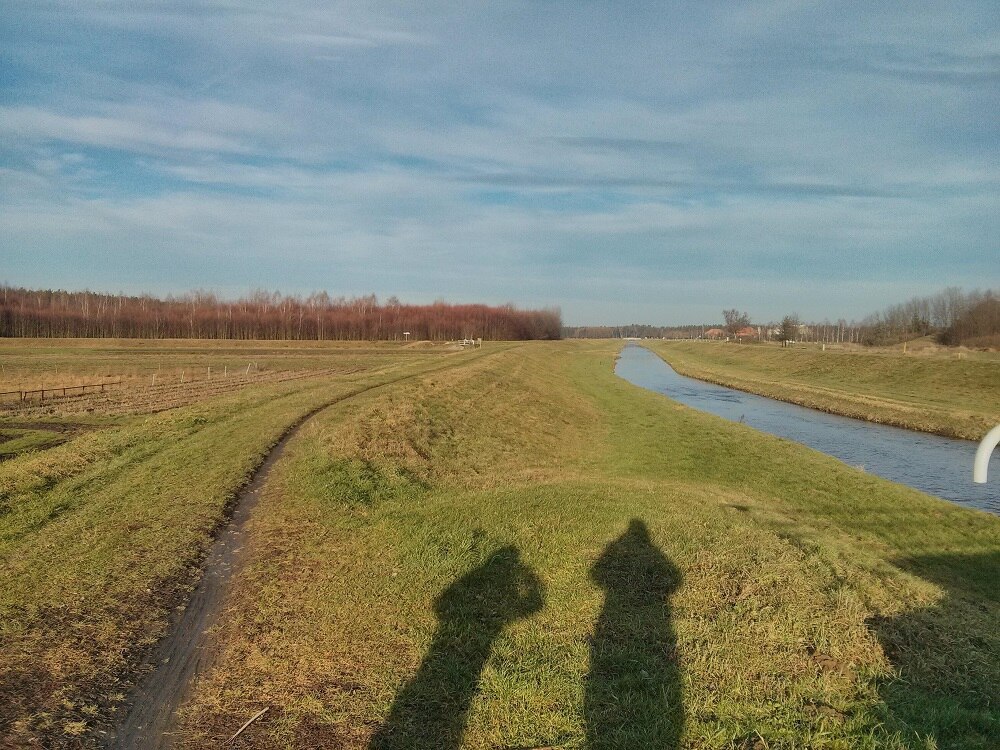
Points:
point(936, 465)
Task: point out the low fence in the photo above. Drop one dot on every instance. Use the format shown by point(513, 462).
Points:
point(40, 394)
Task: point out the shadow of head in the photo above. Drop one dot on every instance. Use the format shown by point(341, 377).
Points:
point(947, 655)
point(975, 576)
point(633, 566)
point(500, 590)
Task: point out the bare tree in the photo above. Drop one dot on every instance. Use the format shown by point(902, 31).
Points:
point(735, 320)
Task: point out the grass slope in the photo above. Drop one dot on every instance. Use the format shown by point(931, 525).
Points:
point(101, 537)
point(933, 393)
point(528, 552)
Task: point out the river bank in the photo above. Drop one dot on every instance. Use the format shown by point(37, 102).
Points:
point(934, 464)
point(532, 552)
point(939, 394)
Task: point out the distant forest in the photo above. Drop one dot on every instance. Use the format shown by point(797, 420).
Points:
point(952, 316)
point(262, 315)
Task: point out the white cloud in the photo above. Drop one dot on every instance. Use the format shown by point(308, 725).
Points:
point(544, 152)
point(112, 132)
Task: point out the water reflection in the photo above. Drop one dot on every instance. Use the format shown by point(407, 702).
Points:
point(932, 464)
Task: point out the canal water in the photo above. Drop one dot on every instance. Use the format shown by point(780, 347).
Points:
point(936, 465)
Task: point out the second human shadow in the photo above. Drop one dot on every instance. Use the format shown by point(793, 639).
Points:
point(633, 690)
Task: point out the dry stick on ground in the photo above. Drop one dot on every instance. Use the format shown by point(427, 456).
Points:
point(249, 721)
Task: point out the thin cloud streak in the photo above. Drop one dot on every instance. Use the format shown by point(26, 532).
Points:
point(36, 124)
point(642, 183)
point(626, 145)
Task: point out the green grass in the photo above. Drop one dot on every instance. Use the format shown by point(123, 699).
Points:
point(15, 441)
point(101, 537)
point(931, 392)
point(529, 552)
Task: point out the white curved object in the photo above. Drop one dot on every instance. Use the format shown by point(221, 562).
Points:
point(983, 453)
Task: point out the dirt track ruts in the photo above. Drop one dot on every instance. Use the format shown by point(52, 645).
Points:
point(186, 652)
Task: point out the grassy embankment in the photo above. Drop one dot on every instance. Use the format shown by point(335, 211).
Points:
point(937, 393)
point(529, 552)
point(102, 536)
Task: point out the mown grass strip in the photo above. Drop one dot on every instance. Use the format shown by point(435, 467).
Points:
point(932, 393)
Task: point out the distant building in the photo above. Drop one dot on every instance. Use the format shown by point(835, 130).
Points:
point(714, 333)
point(747, 332)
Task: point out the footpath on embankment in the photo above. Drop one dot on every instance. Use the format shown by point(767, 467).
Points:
point(188, 650)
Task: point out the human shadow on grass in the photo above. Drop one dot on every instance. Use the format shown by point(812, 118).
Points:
point(431, 710)
point(947, 657)
point(633, 689)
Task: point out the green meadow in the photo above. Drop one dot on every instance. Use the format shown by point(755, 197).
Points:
point(507, 548)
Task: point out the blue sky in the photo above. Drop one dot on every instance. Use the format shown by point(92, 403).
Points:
point(627, 161)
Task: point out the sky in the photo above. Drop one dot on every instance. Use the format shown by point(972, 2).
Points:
point(624, 161)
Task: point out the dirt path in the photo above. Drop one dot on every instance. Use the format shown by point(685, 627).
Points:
point(187, 651)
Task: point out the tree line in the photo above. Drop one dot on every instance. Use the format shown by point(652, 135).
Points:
point(952, 316)
point(632, 331)
point(840, 331)
point(262, 315)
